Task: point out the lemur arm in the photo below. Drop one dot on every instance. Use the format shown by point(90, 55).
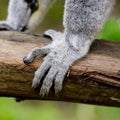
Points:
point(83, 19)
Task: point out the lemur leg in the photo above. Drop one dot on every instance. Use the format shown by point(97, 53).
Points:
point(19, 12)
point(81, 27)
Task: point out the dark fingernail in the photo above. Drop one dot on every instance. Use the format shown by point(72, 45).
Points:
point(26, 61)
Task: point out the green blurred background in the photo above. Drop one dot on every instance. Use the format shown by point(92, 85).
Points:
point(44, 110)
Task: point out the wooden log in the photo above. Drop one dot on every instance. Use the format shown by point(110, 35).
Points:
point(93, 80)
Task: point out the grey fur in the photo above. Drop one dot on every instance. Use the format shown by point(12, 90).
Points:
point(18, 15)
point(83, 19)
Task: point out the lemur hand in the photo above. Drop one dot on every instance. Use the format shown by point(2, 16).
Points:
point(59, 57)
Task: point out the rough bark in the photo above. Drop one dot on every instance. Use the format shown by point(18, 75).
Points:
point(92, 80)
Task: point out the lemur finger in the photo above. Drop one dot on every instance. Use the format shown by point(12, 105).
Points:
point(40, 73)
point(59, 79)
point(53, 34)
point(29, 58)
point(48, 81)
point(35, 52)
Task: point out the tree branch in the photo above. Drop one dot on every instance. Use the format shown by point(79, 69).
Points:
point(92, 80)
